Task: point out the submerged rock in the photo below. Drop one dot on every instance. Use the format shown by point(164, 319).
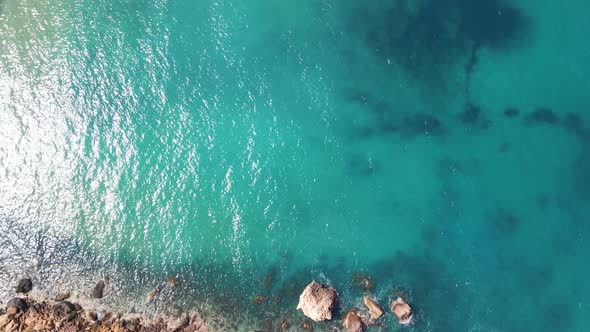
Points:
point(284, 324)
point(276, 299)
point(317, 301)
point(172, 281)
point(307, 325)
point(16, 305)
point(63, 308)
point(62, 296)
point(352, 322)
point(402, 311)
point(373, 307)
point(421, 123)
point(363, 282)
point(259, 299)
point(151, 296)
point(541, 115)
point(24, 285)
point(471, 113)
point(98, 291)
point(266, 281)
point(511, 112)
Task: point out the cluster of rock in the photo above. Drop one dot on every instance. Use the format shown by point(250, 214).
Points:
point(27, 314)
point(318, 300)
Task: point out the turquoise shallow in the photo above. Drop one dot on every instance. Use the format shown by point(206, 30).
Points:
point(441, 147)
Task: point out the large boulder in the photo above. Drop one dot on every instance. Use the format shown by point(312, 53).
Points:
point(402, 311)
point(353, 322)
point(317, 301)
point(24, 285)
point(16, 305)
point(98, 290)
point(373, 307)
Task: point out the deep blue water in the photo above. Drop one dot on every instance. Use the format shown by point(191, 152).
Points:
point(441, 147)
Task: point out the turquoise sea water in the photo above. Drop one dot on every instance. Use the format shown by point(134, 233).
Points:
point(441, 147)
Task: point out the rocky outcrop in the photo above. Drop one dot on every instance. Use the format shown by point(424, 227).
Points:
point(373, 307)
point(62, 296)
point(402, 311)
point(16, 305)
point(98, 290)
point(353, 322)
point(29, 315)
point(24, 285)
point(317, 301)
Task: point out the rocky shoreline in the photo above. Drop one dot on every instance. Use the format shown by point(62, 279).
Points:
point(26, 313)
point(318, 302)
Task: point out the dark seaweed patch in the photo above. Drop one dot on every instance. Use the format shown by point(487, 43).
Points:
point(559, 314)
point(511, 112)
point(541, 115)
point(428, 37)
point(421, 124)
point(504, 147)
point(362, 165)
point(471, 114)
point(503, 221)
point(575, 123)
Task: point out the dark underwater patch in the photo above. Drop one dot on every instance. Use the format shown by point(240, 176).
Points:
point(575, 123)
point(426, 39)
point(504, 147)
point(503, 221)
point(541, 115)
point(471, 114)
point(511, 112)
point(421, 124)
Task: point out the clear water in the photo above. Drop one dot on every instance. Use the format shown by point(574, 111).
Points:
point(250, 146)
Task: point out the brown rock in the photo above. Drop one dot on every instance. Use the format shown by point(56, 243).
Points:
point(12, 310)
point(63, 308)
point(178, 323)
point(402, 311)
point(284, 324)
point(4, 320)
point(152, 295)
point(373, 307)
point(92, 315)
point(276, 300)
point(11, 326)
point(259, 299)
point(197, 324)
point(317, 301)
point(15, 305)
point(98, 290)
point(62, 296)
point(172, 281)
point(352, 322)
point(24, 285)
point(307, 325)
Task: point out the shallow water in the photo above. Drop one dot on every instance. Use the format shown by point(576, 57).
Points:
point(249, 147)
